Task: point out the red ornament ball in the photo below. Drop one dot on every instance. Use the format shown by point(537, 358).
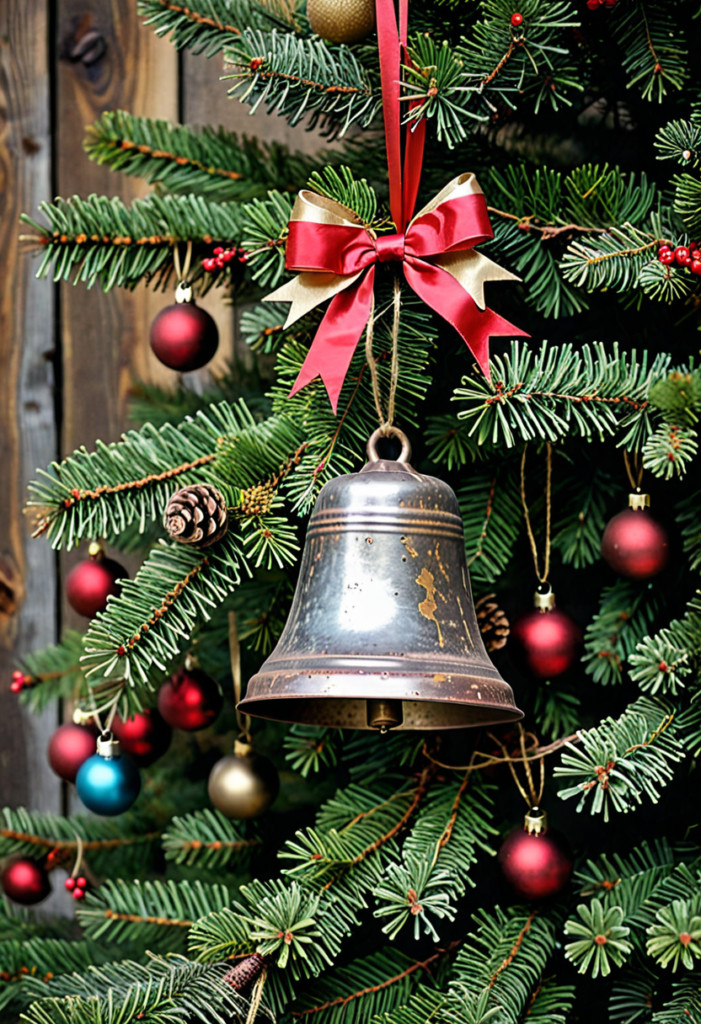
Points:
point(184, 337)
point(635, 545)
point(548, 641)
point(25, 881)
point(535, 866)
point(190, 700)
point(516, 19)
point(144, 737)
point(91, 582)
point(69, 747)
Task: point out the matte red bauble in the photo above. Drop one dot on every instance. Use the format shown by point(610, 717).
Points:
point(144, 737)
point(91, 582)
point(634, 544)
point(69, 747)
point(535, 862)
point(184, 337)
point(190, 700)
point(548, 638)
point(25, 881)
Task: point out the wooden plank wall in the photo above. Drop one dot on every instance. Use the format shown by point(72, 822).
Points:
point(67, 355)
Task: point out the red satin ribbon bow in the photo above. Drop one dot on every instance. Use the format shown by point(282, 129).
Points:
point(335, 255)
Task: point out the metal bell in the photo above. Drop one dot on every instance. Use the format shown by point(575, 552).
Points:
point(382, 633)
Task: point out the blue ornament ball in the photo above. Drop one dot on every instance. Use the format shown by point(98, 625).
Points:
point(108, 786)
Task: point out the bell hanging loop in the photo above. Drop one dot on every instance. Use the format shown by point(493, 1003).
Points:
point(382, 633)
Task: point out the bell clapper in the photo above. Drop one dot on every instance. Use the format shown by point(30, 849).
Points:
point(384, 714)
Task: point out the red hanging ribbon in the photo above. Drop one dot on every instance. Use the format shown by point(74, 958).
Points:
point(335, 255)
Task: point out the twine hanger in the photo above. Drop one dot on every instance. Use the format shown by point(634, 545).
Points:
point(542, 577)
point(243, 721)
point(181, 272)
point(635, 481)
point(386, 421)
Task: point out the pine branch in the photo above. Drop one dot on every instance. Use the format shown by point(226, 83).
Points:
point(145, 631)
point(103, 241)
point(502, 961)
point(279, 920)
point(163, 992)
point(491, 511)
point(37, 959)
point(553, 393)
point(152, 912)
point(52, 673)
point(298, 78)
point(208, 840)
point(602, 939)
point(214, 163)
point(34, 834)
point(369, 986)
point(625, 614)
point(662, 663)
point(654, 56)
point(452, 825)
point(207, 26)
point(622, 761)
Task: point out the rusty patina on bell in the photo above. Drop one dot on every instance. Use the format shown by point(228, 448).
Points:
point(382, 633)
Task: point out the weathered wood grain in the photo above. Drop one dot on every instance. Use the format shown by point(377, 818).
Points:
point(27, 418)
point(107, 60)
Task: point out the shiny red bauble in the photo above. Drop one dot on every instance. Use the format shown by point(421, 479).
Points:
point(548, 641)
point(190, 700)
point(635, 545)
point(69, 747)
point(25, 881)
point(535, 866)
point(91, 582)
point(184, 337)
point(144, 736)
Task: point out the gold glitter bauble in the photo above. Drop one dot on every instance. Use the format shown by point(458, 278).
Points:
point(244, 784)
point(341, 21)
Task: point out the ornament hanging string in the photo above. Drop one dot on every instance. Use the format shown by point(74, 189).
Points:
point(386, 421)
point(243, 721)
point(543, 578)
point(334, 254)
point(181, 272)
point(533, 796)
point(635, 481)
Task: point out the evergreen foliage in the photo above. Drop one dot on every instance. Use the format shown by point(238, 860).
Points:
point(370, 893)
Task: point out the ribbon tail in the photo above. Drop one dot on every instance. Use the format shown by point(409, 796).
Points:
point(444, 294)
point(337, 338)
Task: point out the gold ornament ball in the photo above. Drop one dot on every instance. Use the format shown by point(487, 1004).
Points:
point(244, 784)
point(341, 21)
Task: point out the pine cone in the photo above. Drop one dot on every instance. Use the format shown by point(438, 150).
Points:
point(493, 623)
point(244, 972)
point(197, 515)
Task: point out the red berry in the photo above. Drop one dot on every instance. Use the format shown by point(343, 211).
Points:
point(610, 3)
point(682, 255)
point(81, 882)
point(78, 894)
point(70, 884)
point(593, 5)
point(696, 254)
point(218, 250)
point(666, 257)
point(516, 19)
point(242, 257)
point(695, 267)
point(15, 686)
point(209, 264)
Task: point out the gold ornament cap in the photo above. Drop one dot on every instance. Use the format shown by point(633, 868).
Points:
point(638, 501)
point(341, 21)
point(535, 822)
point(95, 550)
point(544, 599)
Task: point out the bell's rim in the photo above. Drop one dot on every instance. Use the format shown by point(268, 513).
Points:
point(471, 701)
